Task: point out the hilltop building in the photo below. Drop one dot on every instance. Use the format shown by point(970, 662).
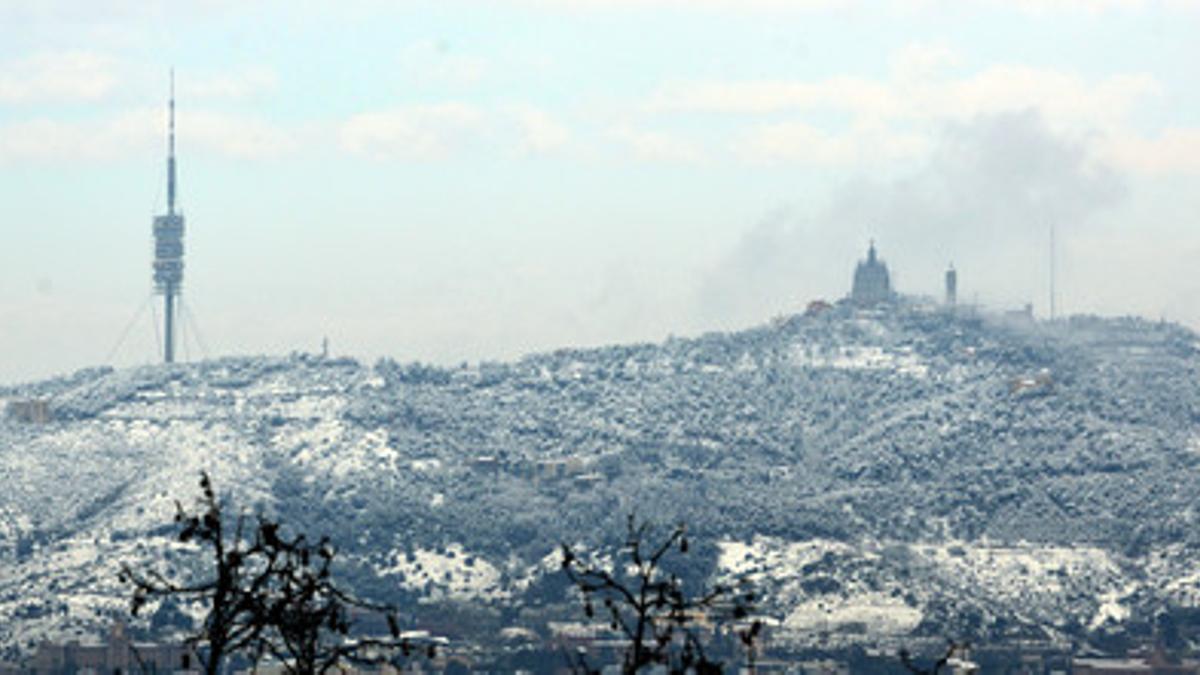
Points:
point(872, 283)
point(118, 654)
point(30, 411)
point(817, 307)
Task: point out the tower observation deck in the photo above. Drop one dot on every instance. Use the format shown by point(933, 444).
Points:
point(168, 246)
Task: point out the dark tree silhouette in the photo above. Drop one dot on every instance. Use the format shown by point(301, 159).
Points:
point(308, 619)
point(906, 659)
point(239, 571)
point(266, 594)
point(304, 610)
point(648, 605)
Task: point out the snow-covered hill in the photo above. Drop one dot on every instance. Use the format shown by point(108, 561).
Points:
point(877, 472)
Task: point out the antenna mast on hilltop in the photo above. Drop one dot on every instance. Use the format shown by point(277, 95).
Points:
point(1053, 294)
point(168, 245)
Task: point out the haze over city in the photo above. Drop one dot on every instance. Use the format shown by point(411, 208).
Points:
point(449, 181)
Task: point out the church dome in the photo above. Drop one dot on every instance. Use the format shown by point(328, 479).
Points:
point(872, 283)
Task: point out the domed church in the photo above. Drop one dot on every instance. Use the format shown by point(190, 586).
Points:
point(872, 284)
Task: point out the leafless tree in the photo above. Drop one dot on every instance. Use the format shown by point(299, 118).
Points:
point(239, 570)
point(942, 662)
point(308, 619)
point(649, 606)
point(266, 593)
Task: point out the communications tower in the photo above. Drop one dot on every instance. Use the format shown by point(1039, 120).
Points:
point(168, 245)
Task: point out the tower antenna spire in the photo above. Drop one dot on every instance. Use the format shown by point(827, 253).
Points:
point(171, 150)
point(1053, 280)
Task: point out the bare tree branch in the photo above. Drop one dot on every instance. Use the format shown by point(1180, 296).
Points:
point(649, 606)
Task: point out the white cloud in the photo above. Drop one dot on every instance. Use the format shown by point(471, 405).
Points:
point(839, 93)
point(540, 131)
point(46, 139)
point(242, 83)
point(114, 137)
point(437, 61)
point(1042, 6)
point(791, 141)
point(1025, 6)
point(440, 130)
point(1061, 96)
point(754, 5)
point(1039, 7)
point(1175, 149)
point(920, 61)
point(64, 10)
point(237, 136)
point(657, 146)
point(798, 141)
point(892, 117)
point(422, 132)
point(57, 77)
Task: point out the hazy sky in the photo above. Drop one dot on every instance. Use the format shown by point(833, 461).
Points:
point(451, 180)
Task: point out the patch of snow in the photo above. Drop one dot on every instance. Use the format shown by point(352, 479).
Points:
point(1111, 609)
point(1017, 571)
point(771, 556)
point(874, 613)
point(451, 573)
point(859, 357)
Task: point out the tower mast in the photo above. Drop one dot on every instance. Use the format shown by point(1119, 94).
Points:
point(1053, 290)
point(168, 244)
point(171, 150)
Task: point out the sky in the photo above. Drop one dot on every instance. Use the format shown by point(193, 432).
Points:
point(453, 180)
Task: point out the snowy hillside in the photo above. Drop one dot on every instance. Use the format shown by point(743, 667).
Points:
point(878, 473)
